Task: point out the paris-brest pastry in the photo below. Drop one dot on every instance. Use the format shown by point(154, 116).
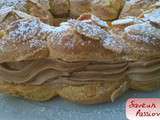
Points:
point(83, 60)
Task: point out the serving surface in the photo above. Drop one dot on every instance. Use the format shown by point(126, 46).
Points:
point(64, 110)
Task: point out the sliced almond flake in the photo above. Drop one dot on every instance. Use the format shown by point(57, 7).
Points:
point(95, 32)
point(88, 30)
point(143, 32)
point(4, 12)
point(154, 16)
point(99, 22)
point(127, 20)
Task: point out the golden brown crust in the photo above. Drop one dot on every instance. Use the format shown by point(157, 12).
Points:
point(91, 94)
point(141, 35)
point(77, 7)
point(36, 93)
point(86, 94)
point(143, 39)
point(136, 7)
point(105, 9)
point(145, 86)
point(37, 10)
point(31, 7)
point(20, 45)
point(9, 15)
point(80, 40)
point(60, 8)
point(44, 3)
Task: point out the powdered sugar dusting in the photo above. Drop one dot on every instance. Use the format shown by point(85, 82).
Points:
point(57, 33)
point(133, 2)
point(9, 10)
point(99, 21)
point(154, 16)
point(37, 43)
point(128, 20)
point(3, 12)
point(16, 4)
point(91, 31)
point(148, 39)
point(26, 35)
point(26, 29)
point(96, 33)
point(143, 32)
point(23, 29)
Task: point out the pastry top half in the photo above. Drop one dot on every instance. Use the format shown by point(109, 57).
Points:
point(57, 11)
point(138, 7)
point(33, 7)
point(23, 37)
point(105, 9)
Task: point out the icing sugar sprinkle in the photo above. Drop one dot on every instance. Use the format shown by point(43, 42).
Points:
point(154, 16)
point(30, 32)
point(144, 32)
point(17, 4)
point(37, 43)
point(95, 32)
point(23, 29)
point(57, 34)
point(92, 31)
point(99, 21)
point(128, 20)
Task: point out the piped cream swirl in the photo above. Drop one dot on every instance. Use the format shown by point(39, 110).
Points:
point(40, 71)
point(48, 71)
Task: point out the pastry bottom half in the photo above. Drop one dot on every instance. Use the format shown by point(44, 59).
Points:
point(85, 94)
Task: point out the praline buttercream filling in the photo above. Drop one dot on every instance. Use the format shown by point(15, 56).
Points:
point(48, 71)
